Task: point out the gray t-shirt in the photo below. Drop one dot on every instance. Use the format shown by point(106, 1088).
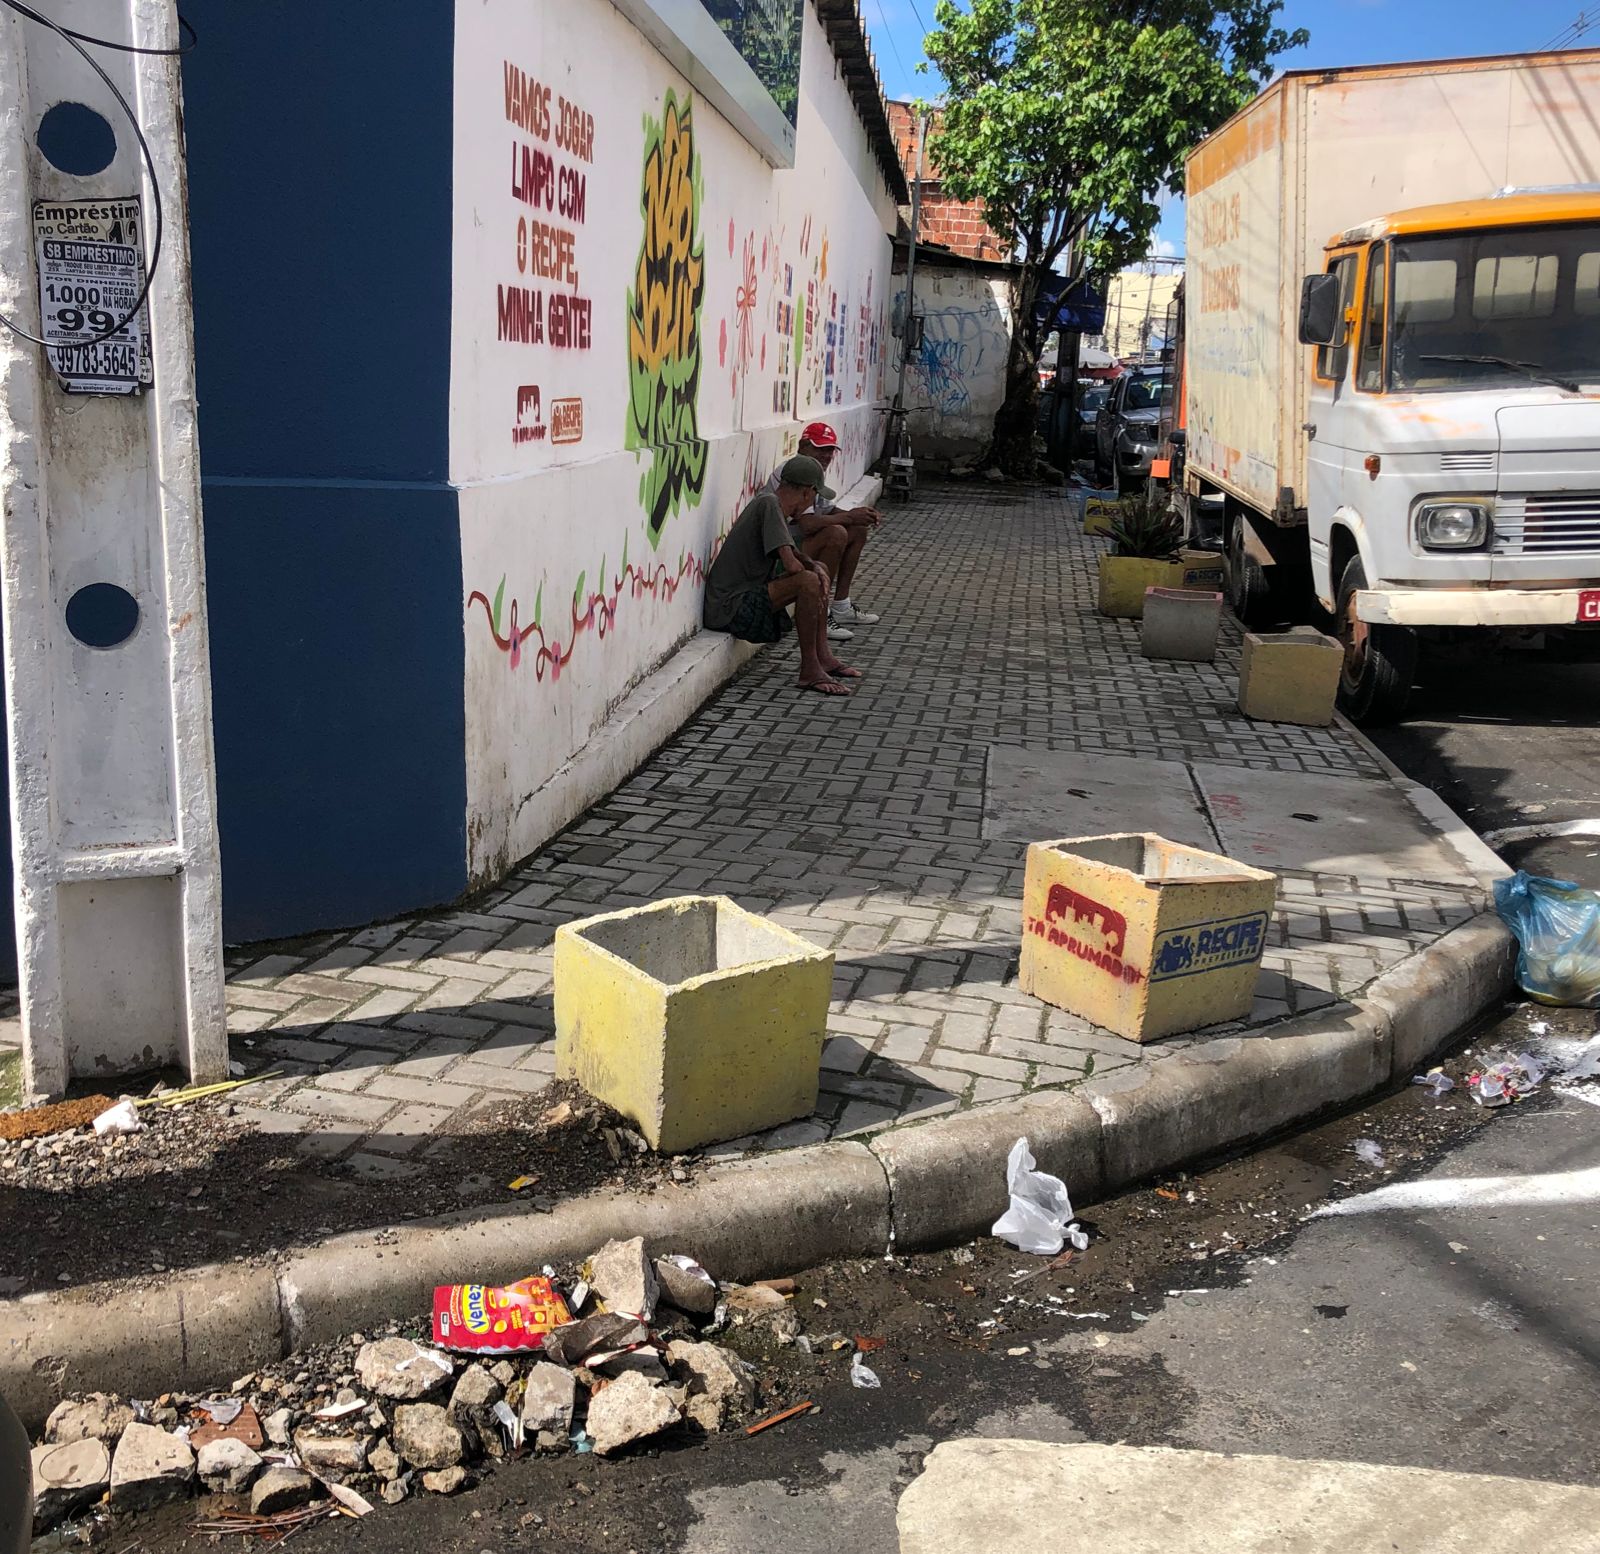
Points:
point(746, 559)
point(823, 504)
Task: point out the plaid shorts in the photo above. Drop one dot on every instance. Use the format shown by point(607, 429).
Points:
point(757, 619)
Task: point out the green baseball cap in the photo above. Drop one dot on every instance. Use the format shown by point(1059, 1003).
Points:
point(802, 471)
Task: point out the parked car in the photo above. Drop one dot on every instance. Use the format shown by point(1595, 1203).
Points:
point(1092, 395)
point(1127, 426)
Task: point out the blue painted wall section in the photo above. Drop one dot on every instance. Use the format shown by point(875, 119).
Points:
point(333, 555)
point(337, 664)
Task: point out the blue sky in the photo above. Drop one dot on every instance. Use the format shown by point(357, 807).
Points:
point(1343, 32)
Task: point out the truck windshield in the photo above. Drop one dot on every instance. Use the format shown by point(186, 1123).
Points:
point(1491, 308)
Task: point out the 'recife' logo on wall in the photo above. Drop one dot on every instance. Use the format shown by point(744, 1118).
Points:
point(566, 420)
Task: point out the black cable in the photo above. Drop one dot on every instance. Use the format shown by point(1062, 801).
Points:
point(150, 165)
point(120, 48)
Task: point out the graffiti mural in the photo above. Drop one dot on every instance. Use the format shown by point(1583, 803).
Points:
point(962, 348)
point(591, 610)
point(736, 344)
point(664, 320)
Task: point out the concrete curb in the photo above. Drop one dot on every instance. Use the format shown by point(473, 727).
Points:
point(916, 1186)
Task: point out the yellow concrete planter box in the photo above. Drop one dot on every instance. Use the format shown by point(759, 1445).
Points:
point(1290, 677)
point(697, 1019)
point(1099, 513)
point(1202, 570)
point(1141, 935)
point(1123, 580)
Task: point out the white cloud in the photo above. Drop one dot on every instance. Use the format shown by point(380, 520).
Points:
point(1163, 248)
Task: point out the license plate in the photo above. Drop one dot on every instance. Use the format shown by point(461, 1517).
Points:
point(1589, 606)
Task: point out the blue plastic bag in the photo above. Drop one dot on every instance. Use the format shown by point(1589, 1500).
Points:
point(1557, 924)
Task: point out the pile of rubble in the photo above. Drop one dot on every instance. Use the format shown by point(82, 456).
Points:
point(387, 1415)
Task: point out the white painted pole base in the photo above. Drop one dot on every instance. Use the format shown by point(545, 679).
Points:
point(107, 679)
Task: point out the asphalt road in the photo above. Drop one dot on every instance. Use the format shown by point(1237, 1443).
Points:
point(1212, 1312)
point(1508, 739)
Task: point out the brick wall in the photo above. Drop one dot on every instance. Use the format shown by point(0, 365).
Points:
point(958, 225)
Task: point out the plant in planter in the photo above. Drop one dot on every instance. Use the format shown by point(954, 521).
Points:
point(1146, 552)
point(1144, 528)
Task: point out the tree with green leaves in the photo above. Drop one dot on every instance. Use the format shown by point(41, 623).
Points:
point(1067, 119)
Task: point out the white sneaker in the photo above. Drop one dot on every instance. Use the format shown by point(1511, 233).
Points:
point(838, 633)
point(851, 616)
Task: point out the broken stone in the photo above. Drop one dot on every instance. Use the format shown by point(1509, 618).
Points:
point(714, 1373)
point(504, 1372)
point(278, 1425)
point(689, 1289)
point(101, 1416)
point(753, 1298)
point(624, 1278)
point(574, 1343)
point(281, 1489)
point(644, 1362)
point(150, 1467)
point(426, 1436)
point(331, 1455)
point(629, 1410)
point(226, 1466)
point(398, 1368)
point(476, 1392)
point(706, 1412)
point(394, 1491)
point(446, 1481)
point(66, 1477)
point(384, 1460)
point(754, 1305)
point(548, 1401)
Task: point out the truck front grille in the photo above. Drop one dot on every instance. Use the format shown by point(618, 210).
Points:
point(1547, 524)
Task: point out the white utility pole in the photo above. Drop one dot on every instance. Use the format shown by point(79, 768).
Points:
point(102, 583)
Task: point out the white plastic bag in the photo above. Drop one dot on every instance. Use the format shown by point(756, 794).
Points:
point(1041, 1212)
point(862, 1375)
point(117, 1120)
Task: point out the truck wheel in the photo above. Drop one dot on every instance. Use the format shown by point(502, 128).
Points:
point(1248, 588)
point(1375, 682)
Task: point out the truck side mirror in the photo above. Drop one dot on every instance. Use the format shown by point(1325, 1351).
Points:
point(1319, 310)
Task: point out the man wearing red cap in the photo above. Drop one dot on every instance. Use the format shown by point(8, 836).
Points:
point(834, 536)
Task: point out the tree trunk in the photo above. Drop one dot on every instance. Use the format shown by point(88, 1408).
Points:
point(1016, 422)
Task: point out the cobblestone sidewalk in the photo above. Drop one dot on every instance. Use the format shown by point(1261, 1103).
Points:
point(859, 824)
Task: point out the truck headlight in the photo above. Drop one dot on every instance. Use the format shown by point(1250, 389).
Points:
point(1453, 525)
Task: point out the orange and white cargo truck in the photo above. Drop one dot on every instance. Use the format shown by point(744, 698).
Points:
point(1392, 355)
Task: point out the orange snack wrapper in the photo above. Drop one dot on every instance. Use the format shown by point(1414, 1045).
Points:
point(497, 1319)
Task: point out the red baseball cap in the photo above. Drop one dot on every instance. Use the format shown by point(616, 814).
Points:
point(820, 435)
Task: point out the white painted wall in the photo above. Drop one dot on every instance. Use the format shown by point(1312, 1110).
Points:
point(957, 380)
point(573, 596)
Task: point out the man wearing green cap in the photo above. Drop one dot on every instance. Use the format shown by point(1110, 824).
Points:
point(759, 573)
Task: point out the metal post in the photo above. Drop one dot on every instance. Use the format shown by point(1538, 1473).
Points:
point(911, 271)
point(902, 467)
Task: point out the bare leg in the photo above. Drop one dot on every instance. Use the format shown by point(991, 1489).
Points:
point(857, 542)
point(805, 591)
point(828, 546)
